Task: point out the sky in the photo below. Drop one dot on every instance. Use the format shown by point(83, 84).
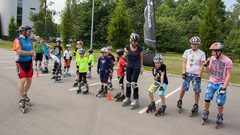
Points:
point(59, 6)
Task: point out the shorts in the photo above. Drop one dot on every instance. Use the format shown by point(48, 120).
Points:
point(39, 57)
point(191, 78)
point(45, 58)
point(67, 63)
point(24, 69)
point(153, 88)
point(211, 89)
point(104, 76)
point(120, 80)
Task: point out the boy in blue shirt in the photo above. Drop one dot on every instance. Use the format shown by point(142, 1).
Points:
point(45, 56)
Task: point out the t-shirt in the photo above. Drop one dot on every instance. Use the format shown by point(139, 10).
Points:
point(121, 65)
point(67, 54)
point(24, 44)
point(219, 68)
point(91, 60)
point(83, 64)
point(104, 64)
point(45, 50)
point(57, 51)
point(134, 56)
point(157, 72)
point(38, 47)
point(194, 59)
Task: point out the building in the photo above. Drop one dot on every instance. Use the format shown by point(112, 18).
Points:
point(19, 9)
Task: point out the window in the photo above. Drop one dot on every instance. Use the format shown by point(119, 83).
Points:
point(19, 12)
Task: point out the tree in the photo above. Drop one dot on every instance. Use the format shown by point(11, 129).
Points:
point(119, 27)
point(210, 26)
point(12, 29)
point(45, 30)
point(66, 24)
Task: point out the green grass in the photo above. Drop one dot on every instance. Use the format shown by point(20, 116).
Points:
point(172, 60)
point(8, 45)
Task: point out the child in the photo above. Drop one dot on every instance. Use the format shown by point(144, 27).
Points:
point(39, 54)
point(161, 82)
point(56, 68)
point(82, 71)
point(91, 63)
point(103, 67)
point(121, 67)
point(76, 54)
point(45, 56)
point(67, 55)
point(220, 68)
point(112, 58)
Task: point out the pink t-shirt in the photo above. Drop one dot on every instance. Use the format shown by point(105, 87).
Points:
point(219, 68)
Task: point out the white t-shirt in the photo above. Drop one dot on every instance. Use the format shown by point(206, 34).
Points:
point(67, 54)
point(194, 59)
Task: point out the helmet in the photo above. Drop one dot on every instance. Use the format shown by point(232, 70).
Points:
point(26, 30)
point(104, 50)
point(68, 45)
point(81, 51)
point(195, 40)
point(109, 47)
point(134, 37)
point(58, 40)
point(120, 52)
point(90, 50)
point(80, 42)
point(217, 46)
point(158, 58)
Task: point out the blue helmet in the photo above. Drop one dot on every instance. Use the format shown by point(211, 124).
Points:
point(81, 51)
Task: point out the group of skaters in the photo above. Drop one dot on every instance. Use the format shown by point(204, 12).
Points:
point(130, 64)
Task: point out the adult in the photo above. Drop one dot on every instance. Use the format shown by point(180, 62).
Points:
point(192, 67)
point(24, 52)
point(134, 55)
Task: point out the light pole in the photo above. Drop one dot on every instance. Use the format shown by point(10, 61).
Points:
point(91, 44)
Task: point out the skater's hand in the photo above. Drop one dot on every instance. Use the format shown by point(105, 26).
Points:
point(97, 72)
point(198, 79)
point(161, 88)
point(222, 91)
point(142, 69)
point(184, 76)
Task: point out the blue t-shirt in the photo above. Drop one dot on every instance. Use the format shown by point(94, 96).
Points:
point(26, 45)
point(104, 63)
point(134, 57)
point(45, 50)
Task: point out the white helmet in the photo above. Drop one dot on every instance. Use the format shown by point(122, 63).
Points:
point(195, 40)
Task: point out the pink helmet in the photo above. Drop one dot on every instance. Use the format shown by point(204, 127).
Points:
point(217, 46)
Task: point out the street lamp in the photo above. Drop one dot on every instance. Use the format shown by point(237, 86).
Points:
point(92, 25)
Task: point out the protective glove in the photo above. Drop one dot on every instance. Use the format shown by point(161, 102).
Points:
point(161, 88)
point(198, 79)
point(222, 91)
point(184, 76)
point(142, 69)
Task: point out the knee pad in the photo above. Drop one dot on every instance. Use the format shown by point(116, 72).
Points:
point(128, 84)
point(134, 85)
point(208, 101)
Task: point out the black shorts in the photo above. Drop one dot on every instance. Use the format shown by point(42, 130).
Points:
point(104, 76)
point(39, 57)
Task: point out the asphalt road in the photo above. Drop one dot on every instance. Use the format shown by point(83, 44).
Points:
point(57, 109)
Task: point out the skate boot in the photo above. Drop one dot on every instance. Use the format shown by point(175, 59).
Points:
point(205, 117)
point(179, 105)
point(79, 90)
point(27, 100)
point(75, 84)
point(219, 120)
point(161, 110)
point(126, 101)
point(99, 94)
point(194, 111)
point(110, 87)
point(117, 95)
point(151, 107)
point(134, 104)
point(87, 90)
point(120, 98)
point(22, 104)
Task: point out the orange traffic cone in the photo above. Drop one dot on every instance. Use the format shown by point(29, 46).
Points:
point(109, 96)
point(37, 74)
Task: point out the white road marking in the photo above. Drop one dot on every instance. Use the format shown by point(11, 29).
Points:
point(158, 101)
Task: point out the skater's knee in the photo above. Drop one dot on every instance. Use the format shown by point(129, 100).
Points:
point(128, 84)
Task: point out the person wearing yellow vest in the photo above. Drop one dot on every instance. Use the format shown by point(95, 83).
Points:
point(91, 63)
point(76, 54)
point(82, 63)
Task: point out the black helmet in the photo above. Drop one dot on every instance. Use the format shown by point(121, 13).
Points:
point(24, 28)
point(134, 37)
point(120, 52)
point(90, 50)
